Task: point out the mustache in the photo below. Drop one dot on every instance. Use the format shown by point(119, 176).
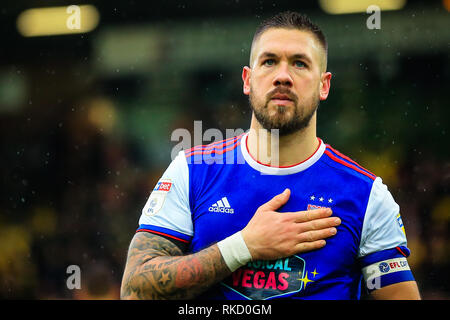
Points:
point(282, 90)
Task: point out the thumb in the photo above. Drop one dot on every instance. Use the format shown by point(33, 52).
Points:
point(277, 201)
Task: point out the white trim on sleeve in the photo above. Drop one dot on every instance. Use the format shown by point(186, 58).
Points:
point(381, 228)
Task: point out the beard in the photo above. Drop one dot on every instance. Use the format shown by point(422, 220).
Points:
point(299, 120)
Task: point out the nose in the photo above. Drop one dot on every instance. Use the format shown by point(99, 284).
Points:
point(282, 78)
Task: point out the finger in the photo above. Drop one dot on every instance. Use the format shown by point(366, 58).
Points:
point(308, 215)
point(314, 235)
point(277, 201)
point(319, 224)
point(309, 246)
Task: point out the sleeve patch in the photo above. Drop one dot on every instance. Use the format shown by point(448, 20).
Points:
point(383, 273)
point(157, 197)
point(163, 185)
point(400, 223)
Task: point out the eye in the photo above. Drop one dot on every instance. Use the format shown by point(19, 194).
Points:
point(300, 64)
point(269, 62)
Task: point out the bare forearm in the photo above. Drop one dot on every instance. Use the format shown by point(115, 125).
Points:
point(407, 290)
point(170, 277)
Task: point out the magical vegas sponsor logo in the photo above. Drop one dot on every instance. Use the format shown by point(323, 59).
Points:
point(268, 279)
point(259, 279)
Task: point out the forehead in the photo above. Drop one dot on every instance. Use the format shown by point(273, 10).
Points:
point(287, 42)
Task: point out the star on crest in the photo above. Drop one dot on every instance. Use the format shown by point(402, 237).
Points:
point(312, 197)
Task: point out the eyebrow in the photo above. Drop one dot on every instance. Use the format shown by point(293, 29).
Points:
point(300, 56)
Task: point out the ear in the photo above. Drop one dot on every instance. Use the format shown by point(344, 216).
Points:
point(246, 71)
point(325, 83)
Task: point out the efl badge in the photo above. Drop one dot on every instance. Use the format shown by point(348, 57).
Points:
point(157, 197)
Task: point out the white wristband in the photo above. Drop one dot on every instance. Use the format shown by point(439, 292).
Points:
point(234, 251)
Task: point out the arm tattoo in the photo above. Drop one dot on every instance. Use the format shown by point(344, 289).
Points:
point(157, 269)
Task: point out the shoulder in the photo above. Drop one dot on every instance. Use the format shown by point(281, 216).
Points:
point(347, 166)
point(213, 152)
point(178, 168)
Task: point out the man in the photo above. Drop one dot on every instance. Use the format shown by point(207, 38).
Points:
point(311, 227)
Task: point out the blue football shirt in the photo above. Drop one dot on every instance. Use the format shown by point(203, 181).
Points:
point(210, 192)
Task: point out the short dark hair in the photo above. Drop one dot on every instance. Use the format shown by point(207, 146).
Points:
point(292, 20)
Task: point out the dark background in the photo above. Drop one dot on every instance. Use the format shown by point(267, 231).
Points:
point(86, 120)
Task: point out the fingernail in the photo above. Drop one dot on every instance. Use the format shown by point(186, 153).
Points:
point(337, 221)
point(285, 192)
point(333, 230)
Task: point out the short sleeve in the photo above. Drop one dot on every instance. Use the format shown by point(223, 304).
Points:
point(383, 249)
point(167, 211)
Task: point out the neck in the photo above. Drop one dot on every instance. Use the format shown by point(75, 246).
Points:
point(282, 151)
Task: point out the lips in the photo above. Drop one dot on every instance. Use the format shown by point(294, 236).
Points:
point(282, 99)
point(280, 96)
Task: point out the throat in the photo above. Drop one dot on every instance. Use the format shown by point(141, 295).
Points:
point(271, 150)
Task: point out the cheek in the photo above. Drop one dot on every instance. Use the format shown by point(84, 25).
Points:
point(261, 85)
point(307, 85)
point(255, 88)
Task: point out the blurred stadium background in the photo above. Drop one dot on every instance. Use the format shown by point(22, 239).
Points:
point(86, 119)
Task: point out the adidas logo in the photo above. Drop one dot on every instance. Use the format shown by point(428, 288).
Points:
point(221, 206)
